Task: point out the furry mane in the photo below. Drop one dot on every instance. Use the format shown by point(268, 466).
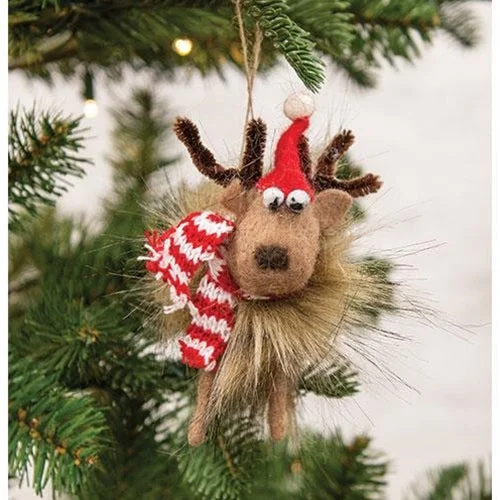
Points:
point(301, 333)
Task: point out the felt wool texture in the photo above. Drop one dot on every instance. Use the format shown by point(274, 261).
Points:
point(269, 269)
point(259, 227)
point(281, 405)
point(287, 173)
point(297, 333)
point(294, 288)
point(290, 334)
point(297, 235)
point(298, 105)
point(198, 425)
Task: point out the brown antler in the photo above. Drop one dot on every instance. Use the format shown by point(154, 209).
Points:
point(305, 156)
point(253, 156)
point(324, 178)
point(339, 146)
point(202, 158)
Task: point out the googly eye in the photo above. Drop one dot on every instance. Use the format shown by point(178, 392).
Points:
point(297, 200)
point(273, 198)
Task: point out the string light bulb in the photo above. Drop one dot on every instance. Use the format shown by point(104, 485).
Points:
point(90, 108)
point(183, 46)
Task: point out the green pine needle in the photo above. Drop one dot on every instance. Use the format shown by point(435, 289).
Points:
point(334, 382)
point(456, 481)
point(355, 35)
point(223, 468)
point(334, 469)
point(292, 41)
point(43, 152)
point(61, 433)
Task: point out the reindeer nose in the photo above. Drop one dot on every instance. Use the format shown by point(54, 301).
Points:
point(272, 257)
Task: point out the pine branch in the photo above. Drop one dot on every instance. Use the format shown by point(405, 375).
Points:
point(457, 481)
point(332, 382)
point(44, 248)
point(143, 464)
point(142, 127)
point(63, 46)
point(357, 70)
point(356, 35)
point(379, 271)
point(459, 22)
point(224, 467)
point(91, 347)
point(65, 251)
point(290, 39)
point(321, 468)
point(330, 468)
point(80, 334)
point(141, 135)
point(90, 351)
point(135, 33)
point(389, 30)
point(278, 474)
point(446, 481)
point(62, 434)
point(43, 152)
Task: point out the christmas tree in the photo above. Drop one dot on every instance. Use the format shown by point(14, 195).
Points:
point(94, 411)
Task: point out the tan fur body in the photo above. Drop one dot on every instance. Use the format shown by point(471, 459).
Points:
point(289, 336)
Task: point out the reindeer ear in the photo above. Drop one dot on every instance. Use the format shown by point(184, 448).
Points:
point(330, 207)
point(235, 198)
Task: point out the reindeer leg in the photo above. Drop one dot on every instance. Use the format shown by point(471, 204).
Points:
point(280, 400)
point(198, 424)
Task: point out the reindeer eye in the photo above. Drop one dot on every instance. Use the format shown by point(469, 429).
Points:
point(297, 200)
point(273, 198)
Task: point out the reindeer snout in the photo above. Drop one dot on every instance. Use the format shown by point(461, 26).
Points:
point(272, 257)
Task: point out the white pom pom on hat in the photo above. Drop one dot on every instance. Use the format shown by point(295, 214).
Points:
point(298, 105)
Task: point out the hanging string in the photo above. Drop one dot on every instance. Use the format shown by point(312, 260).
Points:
point(257, 43)
point(251, 63)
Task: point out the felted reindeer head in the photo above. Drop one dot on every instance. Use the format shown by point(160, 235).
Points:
point(279, 216)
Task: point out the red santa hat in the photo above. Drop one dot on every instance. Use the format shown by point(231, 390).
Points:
point(287, 174)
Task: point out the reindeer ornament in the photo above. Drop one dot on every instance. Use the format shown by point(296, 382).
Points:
point(265, 277)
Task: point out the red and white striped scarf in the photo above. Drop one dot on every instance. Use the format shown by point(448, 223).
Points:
point(174, 257)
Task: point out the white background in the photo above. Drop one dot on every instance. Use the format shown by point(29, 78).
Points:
point(426, 130)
